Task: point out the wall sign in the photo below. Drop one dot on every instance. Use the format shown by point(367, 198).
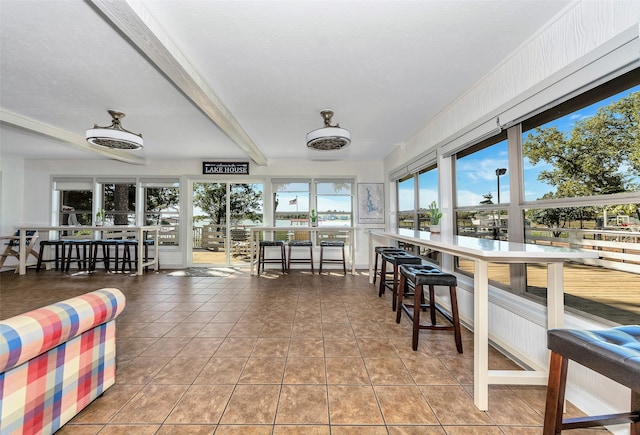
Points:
point(233, 168)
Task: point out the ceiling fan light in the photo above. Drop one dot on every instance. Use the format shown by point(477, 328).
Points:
point(114, 136)
point(330, 137)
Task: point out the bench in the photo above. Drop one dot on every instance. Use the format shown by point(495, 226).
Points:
point(614, 353)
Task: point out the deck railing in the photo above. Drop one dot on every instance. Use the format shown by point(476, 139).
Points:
point(619, 249)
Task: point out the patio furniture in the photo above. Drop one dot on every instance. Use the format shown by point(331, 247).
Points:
point(13, 247)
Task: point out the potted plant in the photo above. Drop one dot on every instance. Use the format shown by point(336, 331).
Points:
point(99, 217)
point(314, 217)
point(434, 217)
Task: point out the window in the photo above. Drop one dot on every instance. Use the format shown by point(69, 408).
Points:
point(427, 193)
point(246, 204)
point(74, 201)
point(407, 203)
point(291, 202)
point(591, 150)
point(334, 202)
point(482, 182)
point(119, 201)
point(578, 186)
point(162, 208)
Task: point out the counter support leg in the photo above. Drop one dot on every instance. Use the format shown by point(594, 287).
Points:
point(555, 295)
point(481, 335)
point(371, 255)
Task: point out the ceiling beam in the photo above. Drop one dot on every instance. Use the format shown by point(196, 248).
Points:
point(76, 141)
point(132, 20)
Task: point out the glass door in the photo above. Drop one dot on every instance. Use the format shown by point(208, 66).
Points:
point(223, 213)
point(209, 226)
point(245, 211)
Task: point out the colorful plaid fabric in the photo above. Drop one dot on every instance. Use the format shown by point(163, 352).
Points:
point(55, 360)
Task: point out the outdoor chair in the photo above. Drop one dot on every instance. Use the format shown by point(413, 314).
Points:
point(13, 247)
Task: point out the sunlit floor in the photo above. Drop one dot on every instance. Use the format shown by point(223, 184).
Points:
point(292, 354)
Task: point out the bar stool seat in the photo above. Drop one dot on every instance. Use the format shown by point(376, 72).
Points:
point(430, 276)
point(332, 244)
point(300, 244)
point(614, 353)
point(58, 256)
point(262, 257)
point(378, 251)
point(395, 258)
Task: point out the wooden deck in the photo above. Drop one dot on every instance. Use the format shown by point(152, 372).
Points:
point(610, 294)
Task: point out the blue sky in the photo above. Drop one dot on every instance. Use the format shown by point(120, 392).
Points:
point(476, 173)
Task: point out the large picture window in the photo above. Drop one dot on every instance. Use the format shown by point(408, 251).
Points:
point(407, 213)
point(162, 208)
point(578, 186)
point(119, 201)
point(291, 202)
point(334, 202)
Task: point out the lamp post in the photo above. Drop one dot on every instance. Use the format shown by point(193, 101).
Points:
point(499, 171)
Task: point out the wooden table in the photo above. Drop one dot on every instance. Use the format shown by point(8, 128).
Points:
point(483, 252)
point(140, 230)
point(254, 238)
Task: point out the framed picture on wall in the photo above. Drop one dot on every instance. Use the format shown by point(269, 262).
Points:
point(370, 203)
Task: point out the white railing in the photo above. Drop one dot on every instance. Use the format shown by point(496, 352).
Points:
point(618, 249)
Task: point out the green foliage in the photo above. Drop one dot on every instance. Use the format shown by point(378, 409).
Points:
point(161, 199)
point(245, 202)
point(488, 198)
point(313, 215)
point(434, 214)
point(598, 157)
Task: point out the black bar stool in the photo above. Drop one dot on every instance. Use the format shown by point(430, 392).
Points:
point(379, 250)
point(420, 276)
point(396, 258)
point(300, 244)
point(84, 260)
point(133, 244)
point(106, 245)
point(261, 254)
point(333, 244)
point(58, 256)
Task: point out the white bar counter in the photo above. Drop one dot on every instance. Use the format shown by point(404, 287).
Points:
point(483, 252)
point(254, 239)
point(125, 228)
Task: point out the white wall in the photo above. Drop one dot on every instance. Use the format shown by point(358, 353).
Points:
point(587, 42)
point(37, 175)
point(12, 197)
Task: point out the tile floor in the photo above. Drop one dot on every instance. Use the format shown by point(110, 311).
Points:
point(292, 354)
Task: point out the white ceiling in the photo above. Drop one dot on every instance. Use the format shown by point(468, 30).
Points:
point(259, 71)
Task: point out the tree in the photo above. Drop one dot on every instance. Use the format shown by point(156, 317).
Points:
point(245, 202)
point(161, 199)
point(488, 198)
point(599, 156)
